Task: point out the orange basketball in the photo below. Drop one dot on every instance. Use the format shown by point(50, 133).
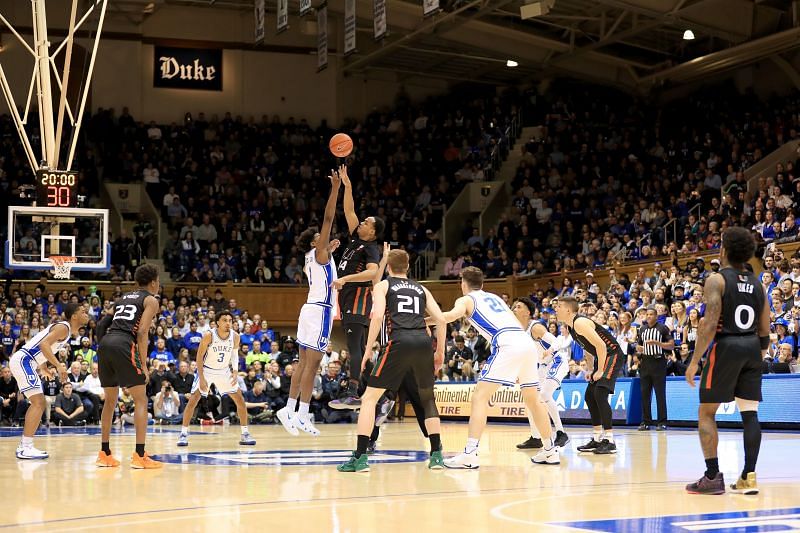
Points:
point(341, 145)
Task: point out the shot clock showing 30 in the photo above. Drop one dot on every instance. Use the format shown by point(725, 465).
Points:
point(56, 188)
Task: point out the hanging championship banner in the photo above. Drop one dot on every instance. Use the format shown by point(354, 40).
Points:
point(260, 16)
point(429, 7)
point(322, 38)
point(305, 7)
point(379, 21)
point(349, 27)
point(283, 15)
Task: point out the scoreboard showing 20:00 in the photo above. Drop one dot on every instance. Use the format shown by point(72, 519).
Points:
point(57, 188)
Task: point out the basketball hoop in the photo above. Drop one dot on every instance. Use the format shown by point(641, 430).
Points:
point(62, 265)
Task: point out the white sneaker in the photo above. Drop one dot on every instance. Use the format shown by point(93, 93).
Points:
point(463, 460)
point(306, 426)
point(547, 457)
point(30, 452)
point(287, 421)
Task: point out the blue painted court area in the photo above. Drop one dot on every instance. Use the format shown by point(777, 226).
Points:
point(55, 431)
point(732, 522)
point(287, 457)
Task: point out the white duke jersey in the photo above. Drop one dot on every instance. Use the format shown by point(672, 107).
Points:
point(320, 278)
point(33, 348)
point(220, 352)
point(491, 316)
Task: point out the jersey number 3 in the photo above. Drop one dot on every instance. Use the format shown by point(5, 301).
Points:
point(124, 312)
point(408, 304)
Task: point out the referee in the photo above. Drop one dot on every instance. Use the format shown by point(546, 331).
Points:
point(654, 342)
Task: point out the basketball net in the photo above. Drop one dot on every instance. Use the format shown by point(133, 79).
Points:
point(62, 265)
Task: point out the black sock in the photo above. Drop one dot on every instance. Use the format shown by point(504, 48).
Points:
point(752, 441)
point(436, 442)
point(140, 450)
point(361, 446)
point(106, 447)
point(376, 431)
point(712, 468)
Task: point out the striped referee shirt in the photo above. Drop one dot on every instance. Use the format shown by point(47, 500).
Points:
point(659, 332)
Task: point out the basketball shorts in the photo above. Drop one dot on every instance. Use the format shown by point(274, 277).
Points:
point(512, 361)
point(402, 355)
point(314, 327)
point(222, 378)
point(118, 362)
point(611, 369)
point(23, 367)
point(556, 370)
point(732, 370)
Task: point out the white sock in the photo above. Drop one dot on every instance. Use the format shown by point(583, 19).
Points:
point(534, 430)
point(608, 435)
point(548, 443)
point(244, 430)
point(472, 446)
point(552, 410)
point(27, 442)
point(598, 435)
point(303, 411)
point(291, 405)
point(184, 430)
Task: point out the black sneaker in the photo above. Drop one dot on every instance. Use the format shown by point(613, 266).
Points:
point(707, 486)
point(661, 427)
point(351, 402)
point(589, 447)
point(561, 439)
point(605, 448)
point(530, 444)
point(644, 427)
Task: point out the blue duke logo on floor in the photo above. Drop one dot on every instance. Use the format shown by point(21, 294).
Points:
point(768, 520)
point(287, 457)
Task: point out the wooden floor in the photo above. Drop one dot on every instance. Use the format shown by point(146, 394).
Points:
point(290, 484)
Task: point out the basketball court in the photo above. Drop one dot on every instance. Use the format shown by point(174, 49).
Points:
point(290, 483)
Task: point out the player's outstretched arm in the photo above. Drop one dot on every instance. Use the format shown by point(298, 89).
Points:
point(143, 335)
point(323, 241)
point(461, 307)
point(441, 328)
point(378, 311)
point(349, 204)
point(382, 265)
point(585, 327)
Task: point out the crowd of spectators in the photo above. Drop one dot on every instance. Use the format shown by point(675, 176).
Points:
point(611, 179)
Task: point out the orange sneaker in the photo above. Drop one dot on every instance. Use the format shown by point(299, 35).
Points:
point(106, 461)
point(144, 463)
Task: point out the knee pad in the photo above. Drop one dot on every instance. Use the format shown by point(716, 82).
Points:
point(428, 403)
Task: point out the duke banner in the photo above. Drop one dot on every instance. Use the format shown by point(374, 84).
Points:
point(260, 13)
point(322, 38)
point(454, 399)
point(349, 27)
point(187, 68)
point(305, 7)
point(429, 7)
point(379, 20)
point(283, 15)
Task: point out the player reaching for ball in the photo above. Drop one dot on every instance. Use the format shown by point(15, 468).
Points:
point(357, 266)
point(316, 316)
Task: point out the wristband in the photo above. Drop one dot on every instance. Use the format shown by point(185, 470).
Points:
point(764, 342)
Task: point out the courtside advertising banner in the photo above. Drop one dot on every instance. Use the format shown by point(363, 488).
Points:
point(349, 27)
point(322, 38)
point(379, 21)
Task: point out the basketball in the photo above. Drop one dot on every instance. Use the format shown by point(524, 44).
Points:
point(341, 145)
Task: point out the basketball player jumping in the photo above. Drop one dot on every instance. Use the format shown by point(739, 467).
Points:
point(736, 327)
point(122, 361)
point(214, 365)
point(357, 267)
point(403, 302)
point(316, 316)
point(552, 369)
point(605, 356)
point(35, 354)
point(511, 361)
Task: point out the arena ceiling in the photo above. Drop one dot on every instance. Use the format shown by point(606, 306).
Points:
point(634, 43)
